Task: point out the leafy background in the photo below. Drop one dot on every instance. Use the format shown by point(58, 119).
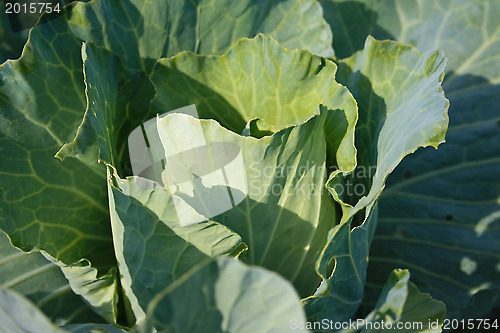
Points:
point(437, 215)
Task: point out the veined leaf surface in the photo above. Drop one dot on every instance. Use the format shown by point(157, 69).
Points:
point(281, 170)
point(401, 108)
point(153, 249)
point(286, 213)
point(223, 294)
point(258, 79)
point(60, 207)
point(339, 112)
point(439, 214)
point(42, 101)
point(42, 282)
point(140, 31)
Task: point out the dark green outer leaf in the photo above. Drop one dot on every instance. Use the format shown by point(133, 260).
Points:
point(31, 275)
point(46, 203)
point(440, 212)
point(453, 228)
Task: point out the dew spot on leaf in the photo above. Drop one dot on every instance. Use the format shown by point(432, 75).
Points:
point(468, 266)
